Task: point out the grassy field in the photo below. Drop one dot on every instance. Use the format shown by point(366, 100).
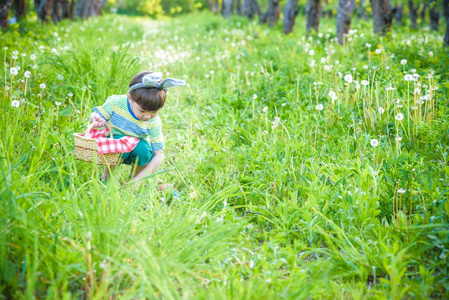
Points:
point(303, 169)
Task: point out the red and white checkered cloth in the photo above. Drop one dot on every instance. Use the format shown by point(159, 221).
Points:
point(108, 145)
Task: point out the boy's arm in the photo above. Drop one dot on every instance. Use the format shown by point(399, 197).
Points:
point(151, 167)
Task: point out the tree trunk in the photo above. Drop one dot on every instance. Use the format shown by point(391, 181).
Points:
point(344, 13)
point(213, 6)
point(362, 10)
point(398, 14)
point(56, 13)
point(227, 8)
point(313, 9)
point(413, 13)
point(382, 16)
point(290, 12)
point(446, 15)
point(65, 10)
point(79, 8)
point(250, 8)
point(5, 5)
point(423, 11)
point(273, 12)
point(434, 17)
point(20, 6)
point(255, 9)
point(238, 7)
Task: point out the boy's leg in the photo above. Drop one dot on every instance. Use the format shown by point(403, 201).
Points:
point(106, 173)
point(136, 169)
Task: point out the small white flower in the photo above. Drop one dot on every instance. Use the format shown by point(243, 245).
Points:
point(415, 76)
point(265, 132)
point(408, 77)
point(54, 51)
point(70, 94)
point(319, 107)
point(277, 119)
point(323, 60)
point(312, 63)
point(42, 86)
point(58, 103)
point(15, 52)
point(311, 52)
point(283, 104)
point(374, 142)
point(381, 110)
point(206, 75)
point(417, 91)
point(368, 45)
point(430, 53)
point(398, 138)
point(60, 77)
point(399, 117)
point(275, 124)
point(403, 62)
point(212, 72)
point(27, 74)
point(15, 103)
point(365, 67)
point(254, 97)
point(332, 95)
point(401, 191)
point(413, 70)
point(34, 67)
point(265, 109)
point(378, 51)
point(364, 82)
point(32, 56)
point(14, 71)
point(348, 78)
point(5, 48)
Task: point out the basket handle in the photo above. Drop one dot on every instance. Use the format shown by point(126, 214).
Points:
point(93, 125)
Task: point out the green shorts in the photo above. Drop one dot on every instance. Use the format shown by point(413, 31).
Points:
point(143, 153)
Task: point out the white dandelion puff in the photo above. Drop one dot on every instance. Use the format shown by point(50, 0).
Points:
point(374, 142)
point(15, 103)
point(399, 117)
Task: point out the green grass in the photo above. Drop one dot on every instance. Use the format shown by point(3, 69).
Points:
point(277, 197)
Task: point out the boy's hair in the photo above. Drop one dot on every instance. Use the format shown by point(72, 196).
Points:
point(149, 99)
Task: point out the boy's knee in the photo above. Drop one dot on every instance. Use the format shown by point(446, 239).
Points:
point(144, 153)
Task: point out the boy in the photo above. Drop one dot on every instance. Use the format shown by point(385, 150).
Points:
point(136, 115)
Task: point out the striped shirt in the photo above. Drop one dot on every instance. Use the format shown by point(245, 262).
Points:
point(118, 114)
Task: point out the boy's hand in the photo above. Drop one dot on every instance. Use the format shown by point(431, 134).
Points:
point(96, 118)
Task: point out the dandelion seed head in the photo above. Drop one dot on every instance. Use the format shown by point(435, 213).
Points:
point(42, 86)
point(374, 142)
point(14, 71)
point(408, 77)
point(399, 117)
point(403, 62)
point(27, 74)
point(348, 78)
point(319, 107)
point(401, 191)
point(265, 109)
point(15, 103)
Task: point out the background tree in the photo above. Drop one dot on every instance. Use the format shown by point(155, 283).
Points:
point(272, 14)
point(344, 12)
point(382, 16)
point(398, 15)
point(313, 10)
point(5, 5)
point(413, 10)
point(446, 15)
point(226, 9)
point(290, 12)
point(250, 8)
point(434, 16)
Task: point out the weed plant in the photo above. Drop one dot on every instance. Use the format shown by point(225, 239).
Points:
point(303, 169)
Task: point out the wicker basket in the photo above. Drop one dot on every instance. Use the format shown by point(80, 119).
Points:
point(87, 149)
